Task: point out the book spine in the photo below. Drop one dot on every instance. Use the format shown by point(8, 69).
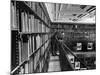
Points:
point(13, 15)
point(29, 30)
point(26, 68)
point(33, 24)
point(32, 43)
point(22, 22)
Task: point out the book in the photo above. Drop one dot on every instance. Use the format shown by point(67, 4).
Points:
point(33, 49)
point(26, 68)
point(42, 27)
point(34, 6)
point(13, 15)
point(22, 22)
point(40, 66)
point(20, 52)
point(38, 41)
point(38, 8)
point(36, 25)
point(32, 17)
point(31, 62)
point(25, 49)
point(36, 59)
point(42, 16)
point(29, 19)
point(26, 22)
point(30, 45)
point(21, 70)
point(42, 48)
point(35, 45)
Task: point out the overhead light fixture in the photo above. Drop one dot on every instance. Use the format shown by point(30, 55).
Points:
point(81, 15)
point(82, 6)
point(91, 9)
point(74, 20)
point(74, 14)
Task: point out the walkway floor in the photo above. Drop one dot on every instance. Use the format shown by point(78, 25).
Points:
point(54, 64)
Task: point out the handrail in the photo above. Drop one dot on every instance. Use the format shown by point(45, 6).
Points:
point(65, 53)
point(14, 70)
point(75, 55)
point(62, 43)
point(67, 58)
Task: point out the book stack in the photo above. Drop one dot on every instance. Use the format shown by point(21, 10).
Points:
point(29, 23)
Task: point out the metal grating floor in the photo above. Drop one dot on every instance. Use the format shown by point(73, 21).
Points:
point(54, 64)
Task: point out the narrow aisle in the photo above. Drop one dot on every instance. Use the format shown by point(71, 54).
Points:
point(54, 64)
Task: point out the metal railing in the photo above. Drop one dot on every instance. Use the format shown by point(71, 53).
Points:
point(66, 50)
point(17, 68)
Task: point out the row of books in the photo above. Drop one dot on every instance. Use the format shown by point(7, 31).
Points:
point(33, 65)
point(31, 24)
point(37, 8)
point(28, 46)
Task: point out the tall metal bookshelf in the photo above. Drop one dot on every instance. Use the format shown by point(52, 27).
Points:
point(30, 33)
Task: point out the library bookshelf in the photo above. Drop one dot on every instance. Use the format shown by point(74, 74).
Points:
point(30, 36)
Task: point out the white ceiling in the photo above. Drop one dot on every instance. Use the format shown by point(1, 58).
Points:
point(69, 13)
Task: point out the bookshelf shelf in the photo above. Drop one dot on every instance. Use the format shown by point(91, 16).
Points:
point(85, 53)
point(27, 33)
